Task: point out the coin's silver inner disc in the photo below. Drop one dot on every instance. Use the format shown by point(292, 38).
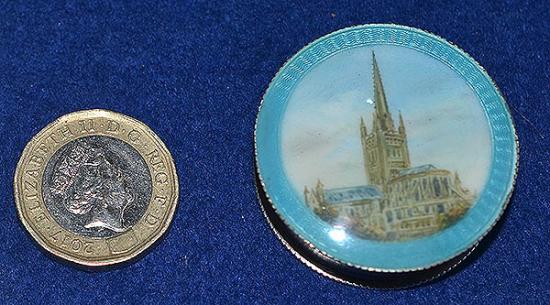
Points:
point(97, 186)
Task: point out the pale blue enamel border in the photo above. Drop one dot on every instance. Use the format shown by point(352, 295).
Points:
point(387, 256)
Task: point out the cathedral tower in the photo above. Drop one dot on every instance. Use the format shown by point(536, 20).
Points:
point(385, 150)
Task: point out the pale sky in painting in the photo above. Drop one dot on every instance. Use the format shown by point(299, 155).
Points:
point(445, 124)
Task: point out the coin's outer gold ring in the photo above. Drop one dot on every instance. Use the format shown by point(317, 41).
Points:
point(87, 251)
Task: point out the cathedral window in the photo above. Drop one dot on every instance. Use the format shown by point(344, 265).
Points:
point(389, 216)
point(446, 185)
point(437, 187)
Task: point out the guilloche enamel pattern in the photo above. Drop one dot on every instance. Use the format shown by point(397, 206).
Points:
point(384, 155)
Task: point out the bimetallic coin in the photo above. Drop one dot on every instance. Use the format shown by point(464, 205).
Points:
point(96, 187)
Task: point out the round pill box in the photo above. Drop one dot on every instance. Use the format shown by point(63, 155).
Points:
point(384, 155)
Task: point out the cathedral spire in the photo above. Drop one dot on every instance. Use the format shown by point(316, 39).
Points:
point(385, 149)
point(319, 185)
point(363, 127)
point(401, 124)
point(320, 190)
point(457, 179)
point(379, 95)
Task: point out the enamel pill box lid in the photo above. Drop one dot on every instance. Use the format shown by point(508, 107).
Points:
point(384, 148)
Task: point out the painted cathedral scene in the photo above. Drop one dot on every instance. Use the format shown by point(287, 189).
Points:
point(402, 200)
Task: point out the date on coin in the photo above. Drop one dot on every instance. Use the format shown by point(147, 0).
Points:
point(96, 188)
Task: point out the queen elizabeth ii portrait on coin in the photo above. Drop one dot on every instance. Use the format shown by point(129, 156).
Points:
point(94, 186)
